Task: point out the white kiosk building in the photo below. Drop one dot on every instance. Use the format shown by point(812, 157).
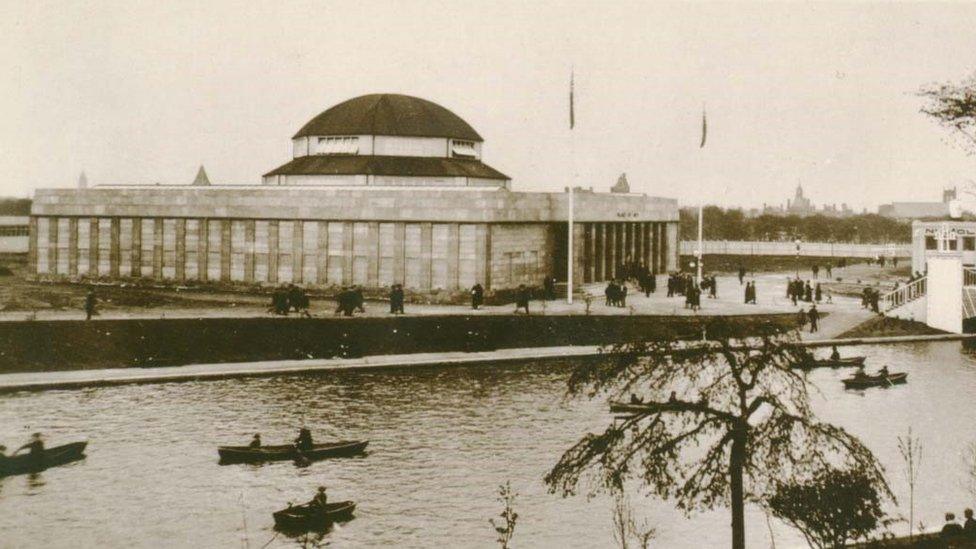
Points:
point(944, 297)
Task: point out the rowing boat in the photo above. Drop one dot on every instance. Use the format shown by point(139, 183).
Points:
point(311, 517)
point(246, 454)
point(880, 380)
point(832, 363)
point(52, 457)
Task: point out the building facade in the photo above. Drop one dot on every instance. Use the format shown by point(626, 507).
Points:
point(381, 189)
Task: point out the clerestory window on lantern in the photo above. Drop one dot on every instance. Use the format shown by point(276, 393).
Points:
point(463, 149)
point(338, 145)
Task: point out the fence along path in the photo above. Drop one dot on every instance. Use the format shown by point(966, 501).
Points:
point(813, 249)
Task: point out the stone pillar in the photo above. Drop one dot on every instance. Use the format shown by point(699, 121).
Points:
point(488, 251)
point(613, 250)
point(158, 248)
point(322, 259)
point(115, 254)
point(373, 263)
point(52, 246)
point(181, 249)
point(203, 247)
point(347, 255)
point(599, 259)
point(249, 235)
point(579, 253)
point(591, 252)
point(297, 251)
point(453, 251)
point(636, 253)
point(481, 261)
point(670, 247)
point(225, 250)
point(426, 245)
point(399, 260)
point(93, 247)
point(73, 246)
point(136, 247)
point(273, 251)
point(32, 245)
point(646, 250)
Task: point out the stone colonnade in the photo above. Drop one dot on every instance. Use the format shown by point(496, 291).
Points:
point(422, 256)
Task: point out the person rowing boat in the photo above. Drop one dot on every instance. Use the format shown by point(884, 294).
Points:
point(36, 446)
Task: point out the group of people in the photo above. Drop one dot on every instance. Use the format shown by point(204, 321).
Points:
point(616, 293)
point(829, 268)
point(797, 290)
point(287, 298)
point(349, 300)
point(680, 283)
point(954, 530)
point(870, 298)
point(812, 317)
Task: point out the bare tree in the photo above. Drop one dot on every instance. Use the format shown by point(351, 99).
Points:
point(954, 106)
point(718, 424)
point(969, 459)
point(506, 527)
point(626, 527)
point(911, 454)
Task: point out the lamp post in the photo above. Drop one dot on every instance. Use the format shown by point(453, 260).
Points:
point(796, 263)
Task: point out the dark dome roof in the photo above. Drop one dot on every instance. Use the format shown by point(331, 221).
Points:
point(389, 114)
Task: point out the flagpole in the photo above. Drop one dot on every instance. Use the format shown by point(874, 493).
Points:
point(698, 259)
point(572, 184)
point(701, 203)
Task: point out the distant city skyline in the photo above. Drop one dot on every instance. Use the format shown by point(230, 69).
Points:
point(149, 93)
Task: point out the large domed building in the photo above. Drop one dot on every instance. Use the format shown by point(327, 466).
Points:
point(381, 189)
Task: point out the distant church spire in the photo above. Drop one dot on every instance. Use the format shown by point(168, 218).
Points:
point(82, 181)
point(201, 178)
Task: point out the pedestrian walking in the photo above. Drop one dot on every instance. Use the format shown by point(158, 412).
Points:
point(90, 304)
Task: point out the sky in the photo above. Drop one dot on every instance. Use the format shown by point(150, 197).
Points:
point(818, 94)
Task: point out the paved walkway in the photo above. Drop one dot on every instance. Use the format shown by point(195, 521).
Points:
point(771, 298)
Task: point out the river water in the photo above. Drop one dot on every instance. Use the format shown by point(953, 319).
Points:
point(442, 440)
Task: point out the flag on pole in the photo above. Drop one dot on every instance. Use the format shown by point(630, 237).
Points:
point(572, 105)
point(704, 129)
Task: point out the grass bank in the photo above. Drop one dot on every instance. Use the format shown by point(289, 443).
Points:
point(31, 346)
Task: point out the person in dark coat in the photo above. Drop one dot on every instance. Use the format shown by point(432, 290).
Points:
point(36, 447)
point(652, 282)
point(747, 292)
point(969, 527)
point(396, 299)
point(951, 529)
point(359, 300)
point(522, 299)
point(609, 292)
point(818, 293)
point(742, 274)
point(814, 315)
point(304, 440)
point(477, 296)
point(801, 318)
point(345, 302)
point(549, 286)
point(90, 303)
point(808, 292)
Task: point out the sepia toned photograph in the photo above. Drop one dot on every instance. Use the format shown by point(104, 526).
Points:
point(566, 274)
